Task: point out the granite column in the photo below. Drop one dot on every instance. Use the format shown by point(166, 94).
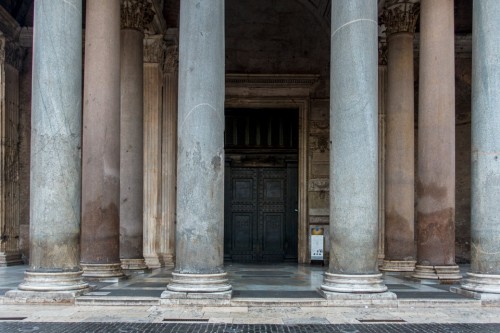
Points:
point(436, 144)
point(199, 269)
point(400, 17)
point(101, 142)
point(135, 15)
point(55, 154)
point(483, 280)
point(354, 151)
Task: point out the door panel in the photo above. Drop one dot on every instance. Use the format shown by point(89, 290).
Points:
point(259, 218)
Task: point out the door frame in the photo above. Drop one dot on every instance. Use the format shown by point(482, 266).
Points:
point(247, 91)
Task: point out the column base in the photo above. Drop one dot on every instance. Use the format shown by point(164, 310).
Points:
point(152, 261)
point(167, 260)
point(353, 283)
point(398, 265)
point(202, 284)
point(10, 259)
point(133, 264)
point(103, 272)
point(481, 283)
point(48, 287)
point(443, 273)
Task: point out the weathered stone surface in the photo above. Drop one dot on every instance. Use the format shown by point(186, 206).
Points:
point(436, 137)
point(200, 176)
point(353, 139)
point(101, 139)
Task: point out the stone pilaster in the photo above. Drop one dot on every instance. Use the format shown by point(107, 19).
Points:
point(154, 54)
point(135, 15)
point(399, 18)
point(54, 273)
point(169, 156)
point(10, 63)
point(199, 268)
point(436, 144)
point(101, 142)
point(483, 280)
point(353, 154)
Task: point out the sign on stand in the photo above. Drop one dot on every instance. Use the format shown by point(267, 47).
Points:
point(317, 243)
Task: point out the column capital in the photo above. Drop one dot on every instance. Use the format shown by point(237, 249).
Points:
point(382, 45)
point(154, 49)
point(136, 14)
point(13, 54)
point(2, 48)
point(171, 64)
point(400, 16)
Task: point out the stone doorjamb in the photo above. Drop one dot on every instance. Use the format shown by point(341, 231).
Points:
point(280, 91)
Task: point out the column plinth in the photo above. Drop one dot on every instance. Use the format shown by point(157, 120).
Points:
point(199, 270)
point(435, 186)
point(354, 151)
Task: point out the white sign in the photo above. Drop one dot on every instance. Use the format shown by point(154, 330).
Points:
point(317, 247)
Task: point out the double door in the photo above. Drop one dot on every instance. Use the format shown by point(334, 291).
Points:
point(261, 214)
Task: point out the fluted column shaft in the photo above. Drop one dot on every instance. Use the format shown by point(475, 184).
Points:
point(354, 150)
point(101, 141)
point(484, 276)
point(200, 174)
point(400, 18)
point(436, 143)
point(55, 149)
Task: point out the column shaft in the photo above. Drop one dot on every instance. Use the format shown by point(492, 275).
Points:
point(400, 156)
point(131, 149)
point(200, 174)
point(353, 155)
point(101, 141)
point(55, 150)
point(484, 276)
point(436, 144)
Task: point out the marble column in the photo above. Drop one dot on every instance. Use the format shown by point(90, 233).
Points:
point(484, 275)
point(354, 151)
point(436, 144)
point(400, 18)
point(101, 142)
point(154, 53)
point(136, 14)
point(11, 56)
point(54, 273)
point(169, 157)
point(199, 269)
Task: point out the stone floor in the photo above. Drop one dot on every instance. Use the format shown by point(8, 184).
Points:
point(284, 294)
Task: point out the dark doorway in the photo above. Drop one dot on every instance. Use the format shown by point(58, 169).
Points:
point(261, 191)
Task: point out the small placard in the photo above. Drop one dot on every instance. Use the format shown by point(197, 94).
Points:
point(317, 243)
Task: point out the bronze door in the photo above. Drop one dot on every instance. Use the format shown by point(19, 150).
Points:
point(260, 213)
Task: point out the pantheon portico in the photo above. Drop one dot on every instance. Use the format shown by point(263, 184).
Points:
point(187, 134)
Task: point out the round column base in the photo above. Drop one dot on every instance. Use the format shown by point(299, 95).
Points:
point(133, 264)
point(152, 261)
point(199, 283)
point(103, 271)
point(483, 283)
point(53, 282)
point(451, 272)
point(354, 283)
point(398, 265)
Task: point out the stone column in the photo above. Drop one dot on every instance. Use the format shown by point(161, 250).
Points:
point(11, 56)
point(169, 157)
point(436, 144)
point(484, 276)
point(136, 14)
point(154, 53)
point(101, 142)
point(199, 268)
point(353, 154)
point(55, 154)
point(400, 18)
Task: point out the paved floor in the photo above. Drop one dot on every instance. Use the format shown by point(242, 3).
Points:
point(263, 294)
